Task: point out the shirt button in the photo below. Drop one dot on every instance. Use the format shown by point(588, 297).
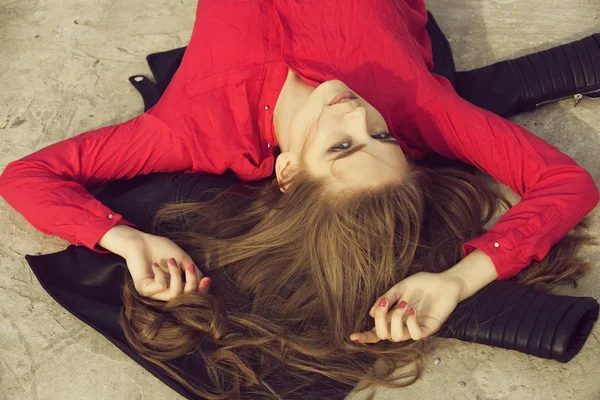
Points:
point(266, 107)
point(496, 244)
point(268, 144)
point(110, 216)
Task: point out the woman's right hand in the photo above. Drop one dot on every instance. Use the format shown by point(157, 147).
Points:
point(149, 258)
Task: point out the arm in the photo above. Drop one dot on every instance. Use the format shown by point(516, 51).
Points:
point(428, 298)
point(556, 193)
point(49, 186)
point(118, 238)
point(474, 272)
point(425, 113)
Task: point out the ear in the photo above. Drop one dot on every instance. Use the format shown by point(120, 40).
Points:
point(286, 166)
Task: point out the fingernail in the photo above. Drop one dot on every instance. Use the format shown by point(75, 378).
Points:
point(172, 261)
point(354, 340)
point(402, 304)
point(191, 268)
point(382, 303)
point(206, 282)
point(155, 265)
point(411, 311)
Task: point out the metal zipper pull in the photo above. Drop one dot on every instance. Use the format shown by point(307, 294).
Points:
point(577, 99)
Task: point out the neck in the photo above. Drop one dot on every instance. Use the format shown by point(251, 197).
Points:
point(292, 97)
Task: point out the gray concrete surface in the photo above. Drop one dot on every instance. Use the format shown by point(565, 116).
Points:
point(63, 70)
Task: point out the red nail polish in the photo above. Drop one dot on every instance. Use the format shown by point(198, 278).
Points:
point(402, 304)
point(191, 268)
point(172, 261)
point(155, 265)
point(382, 303)
point(206, 283)
point(354, 340)
point(411, 311)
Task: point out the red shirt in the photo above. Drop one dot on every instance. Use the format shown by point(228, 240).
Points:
point(217, 113)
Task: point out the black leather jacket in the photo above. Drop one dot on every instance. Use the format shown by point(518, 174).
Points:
point(88, 284)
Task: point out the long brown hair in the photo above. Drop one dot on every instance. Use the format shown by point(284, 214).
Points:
point(295, 274)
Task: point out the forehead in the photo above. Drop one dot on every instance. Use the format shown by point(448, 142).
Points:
point(362, 169)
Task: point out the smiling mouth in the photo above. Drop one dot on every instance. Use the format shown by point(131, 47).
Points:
point(343, 97)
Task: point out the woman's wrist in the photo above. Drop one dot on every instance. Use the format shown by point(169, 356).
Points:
point(475, 271)
point(119, 238)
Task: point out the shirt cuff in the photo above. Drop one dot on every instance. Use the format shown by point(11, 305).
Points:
point(90, 234)
point(513, 249)
point(508, 263)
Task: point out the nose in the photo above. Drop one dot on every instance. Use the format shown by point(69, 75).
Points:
point(358, 119)
point(358, 113)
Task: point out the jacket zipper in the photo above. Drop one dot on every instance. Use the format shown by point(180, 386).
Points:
point(577, 97)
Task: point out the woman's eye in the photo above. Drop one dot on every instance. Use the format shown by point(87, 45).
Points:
point(341, 146)
point(383, 135)
point(346, 143)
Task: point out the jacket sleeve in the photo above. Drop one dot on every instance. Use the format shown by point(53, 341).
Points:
point(48, 187)
point(556, 193)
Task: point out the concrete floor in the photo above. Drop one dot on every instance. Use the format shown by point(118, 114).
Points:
point(64, 68)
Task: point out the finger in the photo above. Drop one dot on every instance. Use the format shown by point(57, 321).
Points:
point(365, 337)
point(191, 279)
point(149, 288)
point(429, 325)
point(187, 260)
point(142, 275)
point(176, 284)
point(198, 273)
point(159, 277)
point(164, 295)
point(414, 329)
point(392, 295)
point(398, 332)
point(204, 285)
point(151, 283)
point(381, 322)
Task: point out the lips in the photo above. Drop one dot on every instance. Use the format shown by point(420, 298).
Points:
point(341, 97)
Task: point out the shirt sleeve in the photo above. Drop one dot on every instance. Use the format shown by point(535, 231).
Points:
point(48, 187)
point(556, 193)
point(424, 112)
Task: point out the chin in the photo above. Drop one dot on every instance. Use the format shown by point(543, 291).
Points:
point(329, 89)
point(333, 86)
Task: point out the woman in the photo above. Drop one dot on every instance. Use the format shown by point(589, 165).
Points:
point(272, 84)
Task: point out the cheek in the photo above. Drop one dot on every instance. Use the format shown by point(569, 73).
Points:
point(398, 157)
point(402, 164)
point(298, 130)
point(314, 164)
point(303, 131)
point(309, 159)
point(305, 116)
point(378, 118)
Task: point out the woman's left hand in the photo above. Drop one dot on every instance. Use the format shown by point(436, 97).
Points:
point(414, 308)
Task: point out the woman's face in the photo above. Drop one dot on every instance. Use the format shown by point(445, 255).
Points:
point(348, 142)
